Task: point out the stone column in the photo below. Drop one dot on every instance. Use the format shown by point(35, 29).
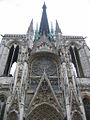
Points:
point(66, 90)
point(85, 60)
point(22, 89)
point(3, 59)
point(77, 92)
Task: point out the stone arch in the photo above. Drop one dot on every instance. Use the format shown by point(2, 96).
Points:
point(86, 102)
point(13, 42)
point(76, 115)
point(2, 105)
point(12, 115)
point(73, 43)
point(44, 112)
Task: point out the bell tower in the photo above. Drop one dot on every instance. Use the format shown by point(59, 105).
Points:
point(51, 80)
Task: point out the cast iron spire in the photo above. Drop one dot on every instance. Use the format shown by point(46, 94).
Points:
point(44, 27)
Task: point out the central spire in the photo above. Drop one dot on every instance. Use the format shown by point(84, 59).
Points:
point(44, 27)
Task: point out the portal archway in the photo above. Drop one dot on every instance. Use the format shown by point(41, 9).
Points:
point(45, 112)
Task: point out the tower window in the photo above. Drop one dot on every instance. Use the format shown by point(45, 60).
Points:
point(76, 61)
point(9, 60)
point(12, 60)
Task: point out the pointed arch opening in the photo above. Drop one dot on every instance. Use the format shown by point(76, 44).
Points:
point(11, 61)
point(15, 54)
point(78, 62)
point(86, 102)
point(44, 112)
point(14, 61)
point(74, 61)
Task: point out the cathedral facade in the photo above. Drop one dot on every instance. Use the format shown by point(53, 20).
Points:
point(51, 80)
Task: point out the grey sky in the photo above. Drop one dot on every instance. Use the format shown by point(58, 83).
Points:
point(73, 15)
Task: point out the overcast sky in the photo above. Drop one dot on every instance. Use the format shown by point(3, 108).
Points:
point(73, 16)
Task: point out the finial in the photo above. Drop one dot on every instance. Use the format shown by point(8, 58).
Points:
point(30, 28)
point(44, 6)
point(51, 32)
point(36, 37)
point(44, 27)
point(1, 35)
point(58, 30)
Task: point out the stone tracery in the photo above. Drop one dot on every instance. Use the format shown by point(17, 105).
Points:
point(44, 112)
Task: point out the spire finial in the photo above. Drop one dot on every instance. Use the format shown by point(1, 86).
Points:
point(58, 30)
point(52, 32)
point(44, 6)
point(30, 28)
point(36, 37)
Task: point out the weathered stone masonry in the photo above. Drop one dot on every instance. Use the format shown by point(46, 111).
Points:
point(52, 76)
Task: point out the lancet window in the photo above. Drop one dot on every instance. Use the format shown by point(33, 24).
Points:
point(76, 61)
point(12, 59)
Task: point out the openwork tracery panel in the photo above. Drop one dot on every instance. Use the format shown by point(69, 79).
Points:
point(44, 112)
point(44, 64)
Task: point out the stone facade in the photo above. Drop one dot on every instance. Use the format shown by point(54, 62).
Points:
point(52, 76)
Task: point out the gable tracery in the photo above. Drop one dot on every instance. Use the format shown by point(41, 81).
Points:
point(44, 112)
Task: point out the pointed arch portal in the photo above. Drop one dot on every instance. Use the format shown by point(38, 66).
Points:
point(44, 112)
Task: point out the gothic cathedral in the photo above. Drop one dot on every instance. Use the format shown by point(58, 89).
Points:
point(51, 80)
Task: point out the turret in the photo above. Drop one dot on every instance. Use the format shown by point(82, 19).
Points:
point(58, 36)
point(30, 33)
